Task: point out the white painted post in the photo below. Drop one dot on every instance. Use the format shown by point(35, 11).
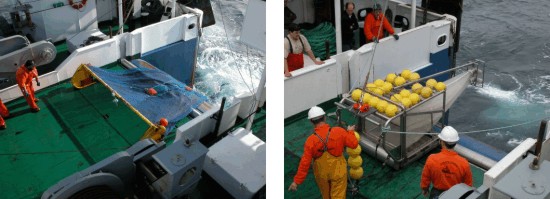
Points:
point(338, 22)
point(120, 17)
point(413, 14)
point(173, 9)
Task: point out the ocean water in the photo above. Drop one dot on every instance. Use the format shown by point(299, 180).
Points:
point(226, 67)
point(512, 38)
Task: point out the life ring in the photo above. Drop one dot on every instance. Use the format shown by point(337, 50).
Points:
point(77, 5)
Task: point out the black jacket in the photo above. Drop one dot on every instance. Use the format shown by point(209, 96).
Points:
point(348, 25)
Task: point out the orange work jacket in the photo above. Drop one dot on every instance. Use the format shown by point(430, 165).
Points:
point(24, 77)
point(444, 170)
point(372, 24)
point(313, 148)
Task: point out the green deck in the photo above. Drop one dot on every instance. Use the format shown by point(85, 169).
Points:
point(74, 129)
point(378, 181)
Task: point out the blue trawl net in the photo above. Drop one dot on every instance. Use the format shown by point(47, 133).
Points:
point(172, 100)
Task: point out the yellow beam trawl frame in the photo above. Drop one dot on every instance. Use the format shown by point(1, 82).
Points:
point(84, 77)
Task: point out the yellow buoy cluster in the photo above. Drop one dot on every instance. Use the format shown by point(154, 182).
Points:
point(405, 97)
point(355, 161)
point(431, 84)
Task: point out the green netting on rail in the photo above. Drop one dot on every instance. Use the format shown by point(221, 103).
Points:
point(317, 37)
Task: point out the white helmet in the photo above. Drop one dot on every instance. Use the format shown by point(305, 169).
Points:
point(315, 112)
point(448, 134)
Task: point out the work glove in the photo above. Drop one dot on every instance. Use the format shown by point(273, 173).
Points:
point(37, 83)
point(396, 37)
point(375, 40)
point(25, 93)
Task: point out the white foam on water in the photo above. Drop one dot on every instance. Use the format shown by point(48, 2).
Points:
point(226, 67)
point(539, 92)
point(498, 134)
point(536, 93)
point(493, 91)
point(514, 142)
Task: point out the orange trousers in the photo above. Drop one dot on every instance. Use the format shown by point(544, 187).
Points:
point(331, 175)
point(30, 98)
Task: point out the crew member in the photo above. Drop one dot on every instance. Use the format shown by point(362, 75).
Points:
point(349, 25)
point(372, 25)
point(3, 113)
point(446, 168)
point(295, 45)
point(24, 76)
point(325, 147)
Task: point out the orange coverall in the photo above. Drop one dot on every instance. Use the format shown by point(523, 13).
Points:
point(24, 80)
point(329, 167)
point(372, 24)
point(3, 113)
point(444, 170)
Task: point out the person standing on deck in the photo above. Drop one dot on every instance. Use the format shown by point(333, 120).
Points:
point(3, 113)
point(325, 147)
point(446, 168)
point(295, 45)
point(349, 24)
point(372, 25)
point(24, 76)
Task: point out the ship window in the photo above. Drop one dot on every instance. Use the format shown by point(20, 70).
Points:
point(442, 40)
point(187, 176)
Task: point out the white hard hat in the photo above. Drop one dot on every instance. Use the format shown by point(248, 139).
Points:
point(448, 134)
point(315, 112)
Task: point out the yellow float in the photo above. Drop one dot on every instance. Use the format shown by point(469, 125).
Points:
point(440, 86)
point(355, 161)
point(356, 94)
point(406, 74)
point(416, 88)
point(366, 98)
point(379, 91)
point(352, 152)
point(396, 98)
point(405, 93)
point(414, 76)
point(371, 87)
point(431, 83)
point(406, 102)
point(381, 106)
point(379, 82)
point(373, 101)
point(356, 173)
point(426, 92)
point(391, 110)
point(399, 81)
point(415, 98)
point(387, 87)
point(390, 77)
